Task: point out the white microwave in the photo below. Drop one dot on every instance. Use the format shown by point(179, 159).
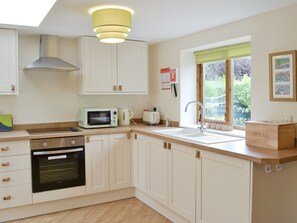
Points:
point(98, 117)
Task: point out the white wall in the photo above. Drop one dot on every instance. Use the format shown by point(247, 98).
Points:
point(270, 32)
point(54, 97)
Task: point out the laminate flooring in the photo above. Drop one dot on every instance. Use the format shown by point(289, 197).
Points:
point(123, 211)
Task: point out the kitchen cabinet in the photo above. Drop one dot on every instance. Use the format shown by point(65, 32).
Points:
point(15, 174)
point(113, 68)
point(182, 180)
point(171, 176)
point(225, 189)
point(119, 161)
point(97, 171)
point(108, 162)
point(157, 170)
point(133, 67)
point(8, 62)
point(140, 162)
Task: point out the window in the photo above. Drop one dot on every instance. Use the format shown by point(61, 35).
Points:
point(224, 84)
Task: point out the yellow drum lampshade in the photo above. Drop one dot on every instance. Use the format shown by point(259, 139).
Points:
point(112, 24)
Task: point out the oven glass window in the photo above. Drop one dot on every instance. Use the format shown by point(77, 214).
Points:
point(58, 168)
point(99, 118)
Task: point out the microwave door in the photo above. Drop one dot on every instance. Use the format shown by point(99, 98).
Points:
point(99, 118)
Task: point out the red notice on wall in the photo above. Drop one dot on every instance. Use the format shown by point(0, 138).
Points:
point(173, 75)
point(165, 78)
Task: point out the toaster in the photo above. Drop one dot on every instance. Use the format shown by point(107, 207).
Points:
point(151, 118)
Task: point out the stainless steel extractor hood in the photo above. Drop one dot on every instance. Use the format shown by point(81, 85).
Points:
point(49, 60)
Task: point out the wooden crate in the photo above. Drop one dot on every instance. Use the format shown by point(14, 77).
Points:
point(270, 135)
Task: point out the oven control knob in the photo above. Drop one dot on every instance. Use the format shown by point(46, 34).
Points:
point(72, 142)
point(44, 144)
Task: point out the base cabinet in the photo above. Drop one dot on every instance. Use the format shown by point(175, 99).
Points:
point(182, 181)
point(97, 171)
point(225, 189)
point(200, 186)
point(157, 171)
point(119, 161)
point(15, 174)
point(140, 162)
point(108, 162)
point(170, 170)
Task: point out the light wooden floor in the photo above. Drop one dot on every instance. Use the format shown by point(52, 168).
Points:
point(124, 211)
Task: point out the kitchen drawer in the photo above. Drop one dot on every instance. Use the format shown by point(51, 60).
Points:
point(10, 163)
point(13, 178)
point(14, 148)
point(15, 196)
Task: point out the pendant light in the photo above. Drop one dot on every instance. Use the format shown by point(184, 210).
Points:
point(111, 23)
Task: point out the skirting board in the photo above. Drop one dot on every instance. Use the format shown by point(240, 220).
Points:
point(64, 204)
point(159, 208)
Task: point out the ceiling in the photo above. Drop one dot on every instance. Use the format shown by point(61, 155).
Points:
point(154, 20)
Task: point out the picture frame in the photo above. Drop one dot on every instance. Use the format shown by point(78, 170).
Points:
point(282, 76)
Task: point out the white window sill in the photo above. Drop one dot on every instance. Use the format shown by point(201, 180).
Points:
point(234, 132)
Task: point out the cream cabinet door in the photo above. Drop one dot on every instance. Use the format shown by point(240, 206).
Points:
point(225, 189)
point(96, 157)
point(140, 162)
point(97, 65)
point(119, 161)
point(8, 61)
point(133, 67)
point(157, 170)
point(182, 180)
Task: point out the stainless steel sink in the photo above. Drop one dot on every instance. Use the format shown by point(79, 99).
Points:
point(196, 136)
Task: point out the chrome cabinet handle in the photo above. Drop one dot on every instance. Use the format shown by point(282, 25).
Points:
point(6, 198)
point(4, 149)
point(7, 179)
point(6, 164)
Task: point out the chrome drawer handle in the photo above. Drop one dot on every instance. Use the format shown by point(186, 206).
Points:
point(4, 149)
point(6, 164)
point(6, 198)
point(7, 179)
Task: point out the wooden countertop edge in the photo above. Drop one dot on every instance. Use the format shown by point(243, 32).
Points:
point(199, 146)
point(262, 156)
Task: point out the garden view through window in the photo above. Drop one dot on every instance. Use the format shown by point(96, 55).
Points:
point(224, 84)
point(215, 90)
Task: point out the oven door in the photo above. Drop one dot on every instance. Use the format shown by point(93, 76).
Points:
point(99, 118)
point(58, 168)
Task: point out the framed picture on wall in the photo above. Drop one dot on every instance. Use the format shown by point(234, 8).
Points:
point(282, 75)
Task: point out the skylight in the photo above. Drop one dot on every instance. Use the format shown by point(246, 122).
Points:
point(24, 12)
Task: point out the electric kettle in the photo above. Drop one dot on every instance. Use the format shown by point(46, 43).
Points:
point(125, 114)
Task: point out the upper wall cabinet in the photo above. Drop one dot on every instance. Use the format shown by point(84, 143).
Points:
point(8, 62)
point(113, 68)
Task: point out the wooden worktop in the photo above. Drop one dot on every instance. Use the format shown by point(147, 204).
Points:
point(236, 149)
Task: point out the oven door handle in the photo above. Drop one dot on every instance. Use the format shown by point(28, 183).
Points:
point(58, 151)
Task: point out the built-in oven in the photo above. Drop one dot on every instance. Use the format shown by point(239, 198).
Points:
point(57, 163)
